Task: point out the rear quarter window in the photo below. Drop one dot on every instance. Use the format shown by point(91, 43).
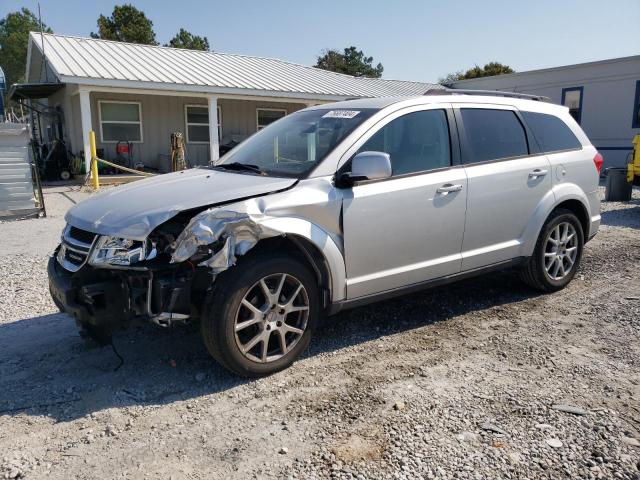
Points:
point(551, 133)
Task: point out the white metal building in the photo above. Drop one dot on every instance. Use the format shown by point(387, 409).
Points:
point(603, 96)
point(142, 94)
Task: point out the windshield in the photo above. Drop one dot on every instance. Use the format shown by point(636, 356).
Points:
point(295, 144)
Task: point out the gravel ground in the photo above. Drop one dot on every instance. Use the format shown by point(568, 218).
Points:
point(481, 379)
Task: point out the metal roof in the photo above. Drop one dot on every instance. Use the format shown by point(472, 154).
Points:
point(572, 66)
point(91, 61)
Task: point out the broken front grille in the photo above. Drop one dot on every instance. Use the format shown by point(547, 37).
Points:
point(81, 235)
point(75, 248)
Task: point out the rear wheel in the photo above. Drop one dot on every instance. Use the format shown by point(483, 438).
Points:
point(261, 314)
point(557, 254)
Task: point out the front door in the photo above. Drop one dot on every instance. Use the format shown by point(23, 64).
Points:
point(406, 229)
point(507, 182)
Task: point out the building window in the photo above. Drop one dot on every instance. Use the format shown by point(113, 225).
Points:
point(265, 116)
point(120, 121)
point(572, 98)
point(197, 123)
point(636, 107)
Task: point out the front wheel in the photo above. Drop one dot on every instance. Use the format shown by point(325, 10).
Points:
point(557, 254)
point(261, 314)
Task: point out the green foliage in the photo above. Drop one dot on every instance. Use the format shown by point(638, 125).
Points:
point(352, 62)
point(489, 70)
point(126, 24)
point(14, 40)
point(185, 39)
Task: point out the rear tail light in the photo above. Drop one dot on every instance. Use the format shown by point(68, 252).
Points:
point(598, 161)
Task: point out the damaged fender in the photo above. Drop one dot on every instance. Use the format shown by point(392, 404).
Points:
point(239, 230)
point(242, 228)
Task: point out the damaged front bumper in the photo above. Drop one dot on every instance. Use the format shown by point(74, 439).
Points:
point(100, 303)
point(110, 298)
point(161, 288)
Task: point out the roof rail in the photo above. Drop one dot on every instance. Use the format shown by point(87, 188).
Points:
point(492, 93)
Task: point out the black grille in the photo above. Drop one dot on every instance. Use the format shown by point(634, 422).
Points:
point(81, 235)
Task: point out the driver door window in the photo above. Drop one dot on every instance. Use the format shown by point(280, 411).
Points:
point(416, 142)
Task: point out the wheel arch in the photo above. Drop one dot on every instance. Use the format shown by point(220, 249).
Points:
point(568, 196)
point(318, 249)
point(573, 198)
point(579, 210)
point(307, 252)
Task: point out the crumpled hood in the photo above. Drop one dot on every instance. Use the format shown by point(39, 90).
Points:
point(135, 209)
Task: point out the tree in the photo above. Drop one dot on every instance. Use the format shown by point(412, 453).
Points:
point(14, 40)
point(489, 70)
point(185, 39)
point(126, 24)
point(352, 62)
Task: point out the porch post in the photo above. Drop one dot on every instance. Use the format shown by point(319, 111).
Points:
point(85, 119)
point(214, 141)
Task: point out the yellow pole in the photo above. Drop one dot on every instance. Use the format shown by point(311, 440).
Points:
point(95, 182)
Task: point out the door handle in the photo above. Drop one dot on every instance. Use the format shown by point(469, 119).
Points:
point(538, 173)
point(449, 187)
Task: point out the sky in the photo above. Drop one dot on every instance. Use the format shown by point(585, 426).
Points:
point(421, 40)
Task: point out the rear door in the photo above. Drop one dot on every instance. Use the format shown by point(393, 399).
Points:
point(507, 180)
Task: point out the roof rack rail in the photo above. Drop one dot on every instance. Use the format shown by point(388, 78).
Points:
point(493, 93)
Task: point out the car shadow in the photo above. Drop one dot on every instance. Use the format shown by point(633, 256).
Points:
point(627, 216)
point(47, 369)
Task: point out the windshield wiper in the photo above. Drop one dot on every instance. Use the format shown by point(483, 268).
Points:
point(241, 166)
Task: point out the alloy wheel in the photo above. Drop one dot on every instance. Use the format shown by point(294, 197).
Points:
point(272, 318)
point(561, 251)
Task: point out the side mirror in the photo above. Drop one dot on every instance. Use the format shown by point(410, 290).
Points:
point(368, 166)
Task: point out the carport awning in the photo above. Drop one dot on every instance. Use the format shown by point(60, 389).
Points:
point(22, 91)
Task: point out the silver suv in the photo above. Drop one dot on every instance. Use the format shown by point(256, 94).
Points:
point(329, 208)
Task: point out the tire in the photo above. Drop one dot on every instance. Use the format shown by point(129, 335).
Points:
point(538, 272)
point(224, 311)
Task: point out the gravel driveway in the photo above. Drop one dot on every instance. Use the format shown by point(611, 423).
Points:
point(481, 379)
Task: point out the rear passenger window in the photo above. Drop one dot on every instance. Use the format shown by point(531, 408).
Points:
point(493, 134)
point(415, 142)
point(551, 133)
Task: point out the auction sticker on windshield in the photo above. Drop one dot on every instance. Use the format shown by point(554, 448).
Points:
point(341, 114)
